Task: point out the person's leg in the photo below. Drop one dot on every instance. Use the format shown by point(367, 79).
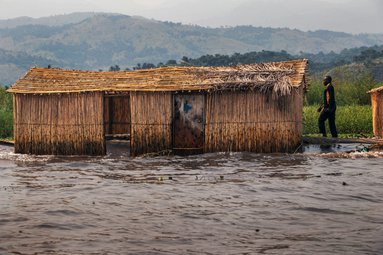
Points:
point(321, 120)
point(331, 123)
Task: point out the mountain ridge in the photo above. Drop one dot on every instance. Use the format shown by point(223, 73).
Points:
point(99, 40)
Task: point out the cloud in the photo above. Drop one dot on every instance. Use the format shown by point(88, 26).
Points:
point(352, 16)
point(338, 15)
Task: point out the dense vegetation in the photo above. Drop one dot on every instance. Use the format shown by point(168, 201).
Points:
point(6, 117)
point(351, 84)
point(320, 62)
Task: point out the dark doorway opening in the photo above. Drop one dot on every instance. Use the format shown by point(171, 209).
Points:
point(188, 123)
point(117, 123)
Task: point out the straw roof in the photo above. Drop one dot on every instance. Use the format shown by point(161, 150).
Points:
point(375, 90)
point(280, 77)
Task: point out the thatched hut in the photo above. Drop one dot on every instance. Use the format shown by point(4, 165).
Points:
point(256, 108)
point(377, 111)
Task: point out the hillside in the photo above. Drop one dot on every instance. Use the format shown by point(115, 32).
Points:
point(98, 41)
point(57, 20)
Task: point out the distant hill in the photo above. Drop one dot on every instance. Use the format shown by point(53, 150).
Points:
point(97, 41)
point(57, 20)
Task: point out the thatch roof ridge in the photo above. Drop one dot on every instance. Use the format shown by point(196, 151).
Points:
point(375, 90)
point(285, 74)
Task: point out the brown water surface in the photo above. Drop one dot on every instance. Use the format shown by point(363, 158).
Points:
point(221, 203)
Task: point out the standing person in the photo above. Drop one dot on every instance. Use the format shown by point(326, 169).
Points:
point(328, 108)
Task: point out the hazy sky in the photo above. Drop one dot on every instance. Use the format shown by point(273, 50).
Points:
point(353, 16)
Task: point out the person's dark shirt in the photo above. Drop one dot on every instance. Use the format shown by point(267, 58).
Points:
point(329, 98)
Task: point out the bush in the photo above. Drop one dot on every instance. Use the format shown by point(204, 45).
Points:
point(351, 86)
point(6, 115)
point(350, 120)
point(6, 124)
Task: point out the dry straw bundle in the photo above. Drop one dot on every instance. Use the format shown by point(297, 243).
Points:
point(279, 77)
point(264, 77)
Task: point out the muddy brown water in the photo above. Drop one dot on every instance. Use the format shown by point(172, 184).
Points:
point(316, 202)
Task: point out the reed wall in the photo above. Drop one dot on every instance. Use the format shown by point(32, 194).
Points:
point(117, 114)
point(253, 121)
point(151, 122)
point(60, 124)
point(377, 113)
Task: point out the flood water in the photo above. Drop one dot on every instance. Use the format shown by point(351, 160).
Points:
point(315, 202)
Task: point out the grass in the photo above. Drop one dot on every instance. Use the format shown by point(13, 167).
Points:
point(6, 124)
point(6, 115)
point(351, 121)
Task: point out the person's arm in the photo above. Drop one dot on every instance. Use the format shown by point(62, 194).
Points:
point(320, 108)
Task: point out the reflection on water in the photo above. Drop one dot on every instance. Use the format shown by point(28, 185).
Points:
point(221, 203)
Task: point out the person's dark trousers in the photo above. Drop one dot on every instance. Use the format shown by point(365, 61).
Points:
point(331, 121)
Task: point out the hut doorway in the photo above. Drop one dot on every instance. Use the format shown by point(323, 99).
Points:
point(188, 123)
point(117, 122)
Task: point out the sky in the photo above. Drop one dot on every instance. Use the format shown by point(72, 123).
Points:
point(351, 16)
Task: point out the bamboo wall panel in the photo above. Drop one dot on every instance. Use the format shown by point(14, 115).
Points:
point(151, 122)
point(117, 114)
point(377, 113)
point(61, 124)
point(253, 121)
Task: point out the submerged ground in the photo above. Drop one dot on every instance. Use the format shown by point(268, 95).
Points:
point(316, 202)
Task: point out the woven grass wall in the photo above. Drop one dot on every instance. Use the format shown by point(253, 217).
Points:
point(151, 122)
point(253, 121)
point(377, 113)
point(117, 114)
point(61, 124)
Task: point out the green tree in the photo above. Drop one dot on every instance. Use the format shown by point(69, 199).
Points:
point(171, 62)
point(114, 68)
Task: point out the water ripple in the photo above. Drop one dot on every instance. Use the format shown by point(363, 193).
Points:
point(217, 203)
